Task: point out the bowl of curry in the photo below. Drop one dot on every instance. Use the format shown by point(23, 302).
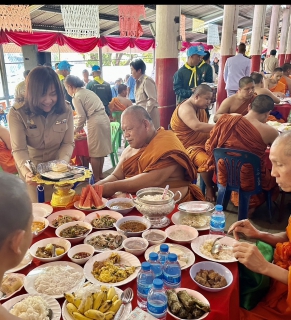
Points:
point(75, 231)
point(132, 226)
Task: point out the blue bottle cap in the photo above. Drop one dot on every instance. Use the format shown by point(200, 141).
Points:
point(153, 256)
point(164, 247)
point(158, 283)
point(172, 257)
point(146, 266)
point(218, 207)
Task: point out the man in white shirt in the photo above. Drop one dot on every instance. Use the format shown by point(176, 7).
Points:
point(236, 68)
point(271, 63)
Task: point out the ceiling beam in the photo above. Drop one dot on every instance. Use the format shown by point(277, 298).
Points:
point(34, 7)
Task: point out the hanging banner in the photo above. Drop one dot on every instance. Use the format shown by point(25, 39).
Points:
point(198, 26)
point(129, 20)
point(244, 36)
point(213, 35)
point(183, 27)
point(239, 35)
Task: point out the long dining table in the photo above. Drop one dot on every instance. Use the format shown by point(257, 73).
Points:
point(284, 109)
point(224, 304)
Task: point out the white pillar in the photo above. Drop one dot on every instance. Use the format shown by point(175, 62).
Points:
point(284, 35)
point(257, 36)
point(288, 50)
point(273, 34)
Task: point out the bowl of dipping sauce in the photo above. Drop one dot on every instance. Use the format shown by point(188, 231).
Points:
point(81, 253)
point(38, 226)
point(121, 205)
point(132, 226)
point(135, 245)
point(154, 236)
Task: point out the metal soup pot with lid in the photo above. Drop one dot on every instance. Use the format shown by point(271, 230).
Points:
point(149, 203)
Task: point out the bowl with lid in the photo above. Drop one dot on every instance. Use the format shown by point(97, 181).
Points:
point(151, 204)
point(193, 210)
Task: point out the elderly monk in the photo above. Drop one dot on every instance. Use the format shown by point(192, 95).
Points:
point(154, 158)
point(248, 133)
point(120, 103)
point(239, 102)
point(276, 304)
point(190, 124)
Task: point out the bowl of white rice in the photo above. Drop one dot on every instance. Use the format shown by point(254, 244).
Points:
point(181, 234)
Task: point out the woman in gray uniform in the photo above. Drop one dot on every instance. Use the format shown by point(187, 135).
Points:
point(90, 108)
point(41, 129)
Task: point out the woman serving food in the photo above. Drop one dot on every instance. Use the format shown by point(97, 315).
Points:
point(41, 129)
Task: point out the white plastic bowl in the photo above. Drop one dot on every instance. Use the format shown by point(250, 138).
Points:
point(154, 231)
point(135, 245)
point(43, 220)
point(193, 233)
point(42, 243)
point(70, 224)
point(79, 215)
point(133, 218)
point(81, 248)
point(210, 265)
point(112, 202)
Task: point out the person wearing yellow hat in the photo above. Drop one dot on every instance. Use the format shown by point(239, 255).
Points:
point(189, 76)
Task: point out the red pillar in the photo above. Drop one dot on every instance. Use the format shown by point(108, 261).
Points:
point(256, 63)
point(165, 69)
point(166, 64)
point(281, 58)
point(287, 58)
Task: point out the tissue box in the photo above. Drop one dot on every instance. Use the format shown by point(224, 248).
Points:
point(139, 314)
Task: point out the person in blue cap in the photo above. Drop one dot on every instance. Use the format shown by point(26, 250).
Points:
point(189, 76)
point(64, 69)
point(100, 87)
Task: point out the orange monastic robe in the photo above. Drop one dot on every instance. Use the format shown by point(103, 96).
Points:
point(193, 141)
point(164, 150)
point(236, 132)
point(6, 159)
point(279, 87)
point(243, 108)
point(116, 105)
point(284, 81)
point(276, 305)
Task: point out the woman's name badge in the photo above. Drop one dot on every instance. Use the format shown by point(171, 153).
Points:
point(61, 121)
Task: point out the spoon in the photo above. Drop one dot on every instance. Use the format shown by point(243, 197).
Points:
point(216, 247)
point(126, 297)
point(54, 251)
point(165, 191)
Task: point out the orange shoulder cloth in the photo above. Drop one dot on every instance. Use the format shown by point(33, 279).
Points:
point(116, 105)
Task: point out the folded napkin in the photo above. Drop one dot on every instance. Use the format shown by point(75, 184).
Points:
point(254, 286)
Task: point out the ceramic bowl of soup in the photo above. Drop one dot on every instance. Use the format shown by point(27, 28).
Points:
point(121, 205)
point(135, 245)
point(132, 226)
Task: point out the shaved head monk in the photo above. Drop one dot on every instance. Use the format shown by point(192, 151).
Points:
point(153, 158)
point(239, 102)
point(15, 228)
point(248, 133)
point(276, 304)
point(190, 124)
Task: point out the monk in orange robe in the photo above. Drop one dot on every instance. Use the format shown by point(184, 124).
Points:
point(276, 304)
point(274, 84)
point(7, 162)
point(120, 103)
point(239, 102)
point(248, 133)
point(190, 124)
point(154, 158)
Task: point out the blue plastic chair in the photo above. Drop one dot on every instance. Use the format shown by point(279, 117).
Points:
point(233, 164)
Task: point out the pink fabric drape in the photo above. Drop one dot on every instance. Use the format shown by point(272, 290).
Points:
point(45, 40)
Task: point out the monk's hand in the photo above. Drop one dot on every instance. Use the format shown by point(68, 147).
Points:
point(249, 255)
point(243, 227)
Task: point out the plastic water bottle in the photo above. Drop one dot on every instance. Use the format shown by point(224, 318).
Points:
point(156, 266)
point(163, 253)
point(145, 279)
point(157, 300)
point(172, 272)
point(217, 221)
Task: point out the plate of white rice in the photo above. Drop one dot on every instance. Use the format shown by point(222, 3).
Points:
point(199, 221)
point(202, 246)
point(34, 307)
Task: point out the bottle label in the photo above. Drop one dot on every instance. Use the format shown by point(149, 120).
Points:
point(143, 290)
point(217, 223)
point(157, 310)
point(168, 278)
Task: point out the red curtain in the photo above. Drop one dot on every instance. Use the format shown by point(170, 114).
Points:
point(45, 40)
